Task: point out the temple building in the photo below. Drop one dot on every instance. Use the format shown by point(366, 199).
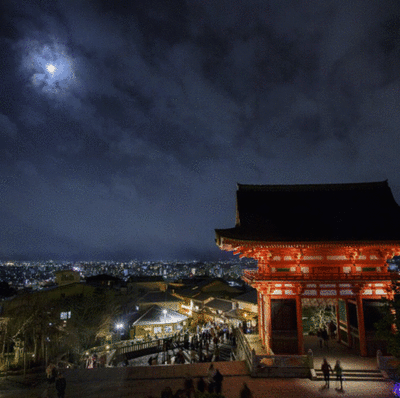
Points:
point(158, 322)
point(328, 243)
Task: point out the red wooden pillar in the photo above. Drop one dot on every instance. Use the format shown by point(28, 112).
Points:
point(349, 336)
point(361, 326)
point(299, 325)
point(261, 316)
point(267, 322)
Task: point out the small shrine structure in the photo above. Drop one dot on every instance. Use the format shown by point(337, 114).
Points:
point(323, 242)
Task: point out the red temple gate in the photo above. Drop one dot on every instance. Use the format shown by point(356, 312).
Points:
point(329, 241)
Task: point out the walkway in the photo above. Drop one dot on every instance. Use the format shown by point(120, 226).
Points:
point(149, 381)
point(349, 358)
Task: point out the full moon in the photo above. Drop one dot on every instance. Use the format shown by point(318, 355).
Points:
point(51, 68)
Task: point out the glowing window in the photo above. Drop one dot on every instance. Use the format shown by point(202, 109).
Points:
point(65, 315)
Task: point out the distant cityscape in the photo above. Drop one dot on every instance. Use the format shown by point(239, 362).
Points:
point(37, 275)
point(105, 313)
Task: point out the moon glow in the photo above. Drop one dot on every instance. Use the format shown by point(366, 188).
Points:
point(51, 68)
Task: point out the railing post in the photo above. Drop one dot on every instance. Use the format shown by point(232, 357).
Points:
point(378, 358)
point(310, 357)
point(253, 359)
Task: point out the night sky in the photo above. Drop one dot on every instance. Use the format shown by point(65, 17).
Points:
point(125, 128)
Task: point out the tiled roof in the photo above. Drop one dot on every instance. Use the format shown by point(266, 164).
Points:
point(213, 287)
point(218, 304)
point(240, 314)
point(158, 297)
point(138, 279)
point(311, 213)
point(203, 296)
point(248, 297)
point(103, 277)
point(159, 315)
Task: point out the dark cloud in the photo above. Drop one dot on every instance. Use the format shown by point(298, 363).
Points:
point(125, 126)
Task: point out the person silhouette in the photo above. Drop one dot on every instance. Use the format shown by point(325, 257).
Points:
point(326, 368)
point(339, 373)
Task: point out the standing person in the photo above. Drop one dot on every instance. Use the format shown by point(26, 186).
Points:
point(325, 337)
point(61, 385)
point(326, 368)
point(245, 392)
point(339, 373)
point(332, 329)
point(201, 385)
point(200, 353)
point(167, 393)
point(189, 387)
point(215, 339)
point(94, 360)
point(210, 378)
point(180, 394)
point(319, 334)
point(216, 354)
point(51, 373)
point(218, 381)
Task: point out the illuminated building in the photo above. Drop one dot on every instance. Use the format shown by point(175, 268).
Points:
point(158, 322)
point(326, 242)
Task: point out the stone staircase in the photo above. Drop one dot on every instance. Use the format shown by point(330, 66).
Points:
point(354, 375)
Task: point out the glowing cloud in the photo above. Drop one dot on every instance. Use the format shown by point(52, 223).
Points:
point(50, 67)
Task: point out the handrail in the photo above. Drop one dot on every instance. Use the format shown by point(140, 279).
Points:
point(299, 361)
point(147, 344)
point(123, 347)
point(387, 362)
point(246, 347)
point(273, 365)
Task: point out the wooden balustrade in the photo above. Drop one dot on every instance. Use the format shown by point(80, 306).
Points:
point(273, 365)
point(254, 276)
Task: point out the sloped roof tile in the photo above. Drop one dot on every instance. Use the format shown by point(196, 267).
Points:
point(320, 212)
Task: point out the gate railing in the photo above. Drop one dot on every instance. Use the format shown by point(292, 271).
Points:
point(273, 365)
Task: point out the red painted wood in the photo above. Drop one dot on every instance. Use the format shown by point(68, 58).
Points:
point(281, 263)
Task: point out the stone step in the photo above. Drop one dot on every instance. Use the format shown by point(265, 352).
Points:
point(355, 375)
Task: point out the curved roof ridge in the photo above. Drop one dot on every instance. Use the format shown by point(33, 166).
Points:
point(315, 212)
point(313, 187)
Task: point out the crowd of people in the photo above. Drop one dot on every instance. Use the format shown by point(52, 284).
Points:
point(324, 335)
point(211, 383)
point(204, 345)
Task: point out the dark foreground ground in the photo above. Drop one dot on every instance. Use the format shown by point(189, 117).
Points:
point(148, 381)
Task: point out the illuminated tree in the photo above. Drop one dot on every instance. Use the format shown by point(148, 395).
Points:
point(35, 319)
point(320, 317)
point(388, 328)
point(91, 319)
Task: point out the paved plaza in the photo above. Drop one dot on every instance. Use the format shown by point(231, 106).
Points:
point(349, 358)
point(149, 381)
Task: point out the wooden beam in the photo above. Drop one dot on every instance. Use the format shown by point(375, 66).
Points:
point(299, 325)
point(361, 326)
